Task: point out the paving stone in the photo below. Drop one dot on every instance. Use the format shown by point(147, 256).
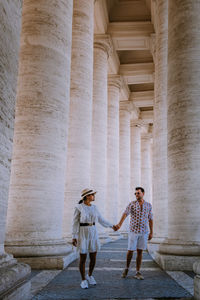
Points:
point(157, 284)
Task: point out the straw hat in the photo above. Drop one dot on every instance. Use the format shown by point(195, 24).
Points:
point(87, 192)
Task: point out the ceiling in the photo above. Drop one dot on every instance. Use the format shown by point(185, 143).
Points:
point(130, 23)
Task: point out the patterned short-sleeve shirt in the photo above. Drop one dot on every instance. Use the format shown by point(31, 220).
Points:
point(139, 216)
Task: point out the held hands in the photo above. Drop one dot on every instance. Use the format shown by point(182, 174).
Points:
point(74, 242)
point(116, 227)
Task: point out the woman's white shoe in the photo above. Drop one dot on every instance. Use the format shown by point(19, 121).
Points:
point(84, 284)
point(91, 280)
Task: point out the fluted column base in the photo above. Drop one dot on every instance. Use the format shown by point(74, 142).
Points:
point(196, 269)
point(178, 256)
point(13, 279)
point(44, 255)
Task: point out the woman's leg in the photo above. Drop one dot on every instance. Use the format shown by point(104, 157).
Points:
point(92, 262)
point(82, 265)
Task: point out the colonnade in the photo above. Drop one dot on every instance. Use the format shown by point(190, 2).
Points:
point(70, 132)
point(73, 130)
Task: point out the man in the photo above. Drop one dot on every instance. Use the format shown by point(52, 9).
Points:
point(140, 219)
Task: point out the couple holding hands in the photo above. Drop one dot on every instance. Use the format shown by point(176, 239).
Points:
point(85, 236)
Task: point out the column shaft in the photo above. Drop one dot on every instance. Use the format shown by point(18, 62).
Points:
point(80, 121)
point(102, 47)
point(36, 196)
point(114, 82)
point(13, 275)
point(135, 155)
point(160, 183)
point(10, 40)
point(146, 177)
point(124, 156)
point(183, 245)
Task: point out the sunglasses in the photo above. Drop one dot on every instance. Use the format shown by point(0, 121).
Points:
point(137, 193)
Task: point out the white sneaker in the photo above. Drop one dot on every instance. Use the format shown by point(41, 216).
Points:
point(91, 280)
point(84, 284)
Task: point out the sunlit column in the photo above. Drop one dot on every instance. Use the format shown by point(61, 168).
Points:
point(13, 274)
point(80, 120)
point(146, 177)
point(114, 84)
point(135, 154)
point(102, 48)
point(160, 182)
point(124, 156)
point(183, 245)
point(36, 197)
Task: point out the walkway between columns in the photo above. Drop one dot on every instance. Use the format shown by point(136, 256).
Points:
point(110, 263)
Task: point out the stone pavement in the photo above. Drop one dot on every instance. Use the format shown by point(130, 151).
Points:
point(158, 284)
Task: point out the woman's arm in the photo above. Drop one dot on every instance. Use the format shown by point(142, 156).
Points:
point(75, 226)
point(102, 221)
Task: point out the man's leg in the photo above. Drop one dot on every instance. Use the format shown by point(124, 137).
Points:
point(141, 245)
point(129, 256)
point(139, 259)
point(138, 275)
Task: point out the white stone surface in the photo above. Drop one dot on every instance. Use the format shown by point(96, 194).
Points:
point(146, 170)
point(160, 182)
point(36, 196)
point(183, 132)
point(10, 26)
point(183, 280)
point(102, 47)
point(135, 155)
point(39, 281)
point(13, 281)
point(80, 120)
point(112, 202)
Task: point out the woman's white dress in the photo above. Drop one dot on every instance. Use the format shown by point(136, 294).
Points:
point(87, 236)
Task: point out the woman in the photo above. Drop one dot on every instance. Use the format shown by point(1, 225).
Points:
point(84, 233)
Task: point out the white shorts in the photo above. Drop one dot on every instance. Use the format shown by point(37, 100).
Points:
point(137, 241)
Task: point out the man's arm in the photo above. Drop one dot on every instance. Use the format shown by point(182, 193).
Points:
point(121, 221)
point(151, 229)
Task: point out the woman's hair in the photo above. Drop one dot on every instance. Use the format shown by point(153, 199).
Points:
point(81, 201)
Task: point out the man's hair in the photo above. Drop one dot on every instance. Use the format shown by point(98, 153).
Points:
point(139, 188)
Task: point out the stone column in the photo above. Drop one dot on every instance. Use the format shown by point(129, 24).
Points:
point(36, 197)
point(102, 48)
point(80, 121)
point(114, 85)
point(183, 245)
point(124, 157)
point(160, 182)
point(12, 274)
point(146, 177)
point(135, 154)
